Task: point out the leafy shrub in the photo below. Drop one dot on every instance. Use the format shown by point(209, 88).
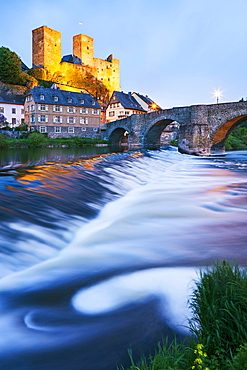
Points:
point(237, 140)
point(36, 140)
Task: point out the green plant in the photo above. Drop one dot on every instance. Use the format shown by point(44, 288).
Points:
point(219, 306)
point(3, 141)
point(239, 361)
point(36, 139)
point(168, 356)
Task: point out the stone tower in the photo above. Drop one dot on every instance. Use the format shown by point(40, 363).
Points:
point(46, 48)
point(83, 48)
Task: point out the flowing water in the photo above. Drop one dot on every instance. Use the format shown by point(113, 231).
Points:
point(99, 250)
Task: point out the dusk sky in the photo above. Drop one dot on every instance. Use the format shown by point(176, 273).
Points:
point(175, 51)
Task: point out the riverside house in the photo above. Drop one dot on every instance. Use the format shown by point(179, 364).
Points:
point(12, 107)
point(122, 105)
point(61, 113)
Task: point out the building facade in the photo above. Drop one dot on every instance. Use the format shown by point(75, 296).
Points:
point(48, 61)
point(122, 105)
point(12, 107)
point(62, 113)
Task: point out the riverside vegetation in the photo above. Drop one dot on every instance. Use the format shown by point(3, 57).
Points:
point(218, 326)
point(36, 139)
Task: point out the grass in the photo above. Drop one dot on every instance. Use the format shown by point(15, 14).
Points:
point(36, 140)
point(218, 326)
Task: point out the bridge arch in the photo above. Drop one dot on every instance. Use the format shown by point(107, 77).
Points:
point(220, 135)
point(117, 135)
point(154, 130)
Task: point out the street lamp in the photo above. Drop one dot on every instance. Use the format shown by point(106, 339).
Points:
point(217, 95)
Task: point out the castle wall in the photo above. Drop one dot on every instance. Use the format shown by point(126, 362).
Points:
point(108, 73)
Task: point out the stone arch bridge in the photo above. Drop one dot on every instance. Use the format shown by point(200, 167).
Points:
point(203, 128)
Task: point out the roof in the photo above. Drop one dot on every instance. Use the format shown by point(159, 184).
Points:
point(127, 101)
point(70, 58)
point(63, 97)
point(12, 99)
point(146, 99)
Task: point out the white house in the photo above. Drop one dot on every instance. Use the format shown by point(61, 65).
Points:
point(122, 105)
point(12, 107)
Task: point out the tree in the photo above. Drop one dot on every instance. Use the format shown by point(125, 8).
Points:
point(10, 66)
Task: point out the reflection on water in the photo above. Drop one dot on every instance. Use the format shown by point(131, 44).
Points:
point(98, 252)
point(11, 158)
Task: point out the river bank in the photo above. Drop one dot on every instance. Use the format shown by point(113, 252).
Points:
point(37, 140)
point(218, 326)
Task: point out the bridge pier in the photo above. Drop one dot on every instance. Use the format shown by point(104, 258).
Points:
point(194, 139)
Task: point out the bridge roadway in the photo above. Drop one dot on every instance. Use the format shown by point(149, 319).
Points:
point(203, 129)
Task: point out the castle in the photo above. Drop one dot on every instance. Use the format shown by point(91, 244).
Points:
point(48, 62)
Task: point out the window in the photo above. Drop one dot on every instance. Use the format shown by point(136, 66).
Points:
point(70, 120)
point(127, 113)
point(57, 108)
point(71, 130)
point(32, 107)
point(1, 109)
point(42, 118)
point(71, 109)
point(13, 121)
point(42, 107)
point(13, 110)
point(95, 111)
point(111, 114)
point(84, 110)
point(32, 118)
point(84, 121)
point(93, 102)
point(82, 101)
point(95, 129)
point(29, 97)
point(22, 121)
point(42, 129)
point(22, 111)
point(57, 130)
point(69, 100)
point(57, 119)
point(84, 129)
point(42, 97)
point(55, 98)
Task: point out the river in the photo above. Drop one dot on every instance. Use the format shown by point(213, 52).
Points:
point(99, 249)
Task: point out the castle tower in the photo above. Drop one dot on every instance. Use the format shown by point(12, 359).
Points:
point(83, 48)
point(46, 48)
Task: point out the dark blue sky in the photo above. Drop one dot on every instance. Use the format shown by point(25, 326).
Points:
point(176, 51)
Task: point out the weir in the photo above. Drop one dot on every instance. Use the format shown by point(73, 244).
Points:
point(203, 128)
